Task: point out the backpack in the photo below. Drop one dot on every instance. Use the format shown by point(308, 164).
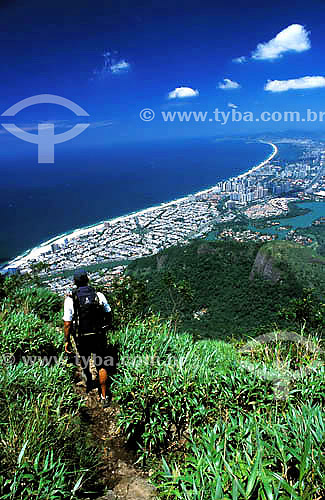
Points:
point(88, 312)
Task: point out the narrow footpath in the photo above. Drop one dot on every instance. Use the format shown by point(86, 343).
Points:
point(121, 479)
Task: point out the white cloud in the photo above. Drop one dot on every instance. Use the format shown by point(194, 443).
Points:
point(181, 92)
point(294, 38)
point(120, 67)
point(231, 105)
point(306, 82)
point(240, 60)
point(113, 65)
point(228, 84)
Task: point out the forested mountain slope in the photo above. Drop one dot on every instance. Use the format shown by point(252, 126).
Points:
point(221, 289)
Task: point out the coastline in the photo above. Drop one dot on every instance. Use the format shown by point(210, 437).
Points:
point(260, 165)
point(46, 245)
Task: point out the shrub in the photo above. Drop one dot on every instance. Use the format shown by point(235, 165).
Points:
point(40, 301)
point(128, 299)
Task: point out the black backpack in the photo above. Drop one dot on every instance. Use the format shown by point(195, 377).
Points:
point(89, 314)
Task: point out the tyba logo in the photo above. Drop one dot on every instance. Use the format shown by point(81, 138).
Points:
point(46, 138)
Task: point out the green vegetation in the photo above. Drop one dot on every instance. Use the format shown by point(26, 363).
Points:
point(213, 415)
point(220, 429)
point(128, 299)
point(206, 286)
point(317, 233)
point(46, 451)
point(299, 261)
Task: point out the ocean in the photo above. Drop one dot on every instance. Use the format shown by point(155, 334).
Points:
point(38, 202)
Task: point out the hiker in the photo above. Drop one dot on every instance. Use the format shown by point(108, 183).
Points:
point(87, 316)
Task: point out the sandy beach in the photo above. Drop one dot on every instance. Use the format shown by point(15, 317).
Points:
point(260, 165)
point(46, 246)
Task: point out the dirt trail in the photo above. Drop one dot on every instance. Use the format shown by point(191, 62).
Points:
point(120, 477)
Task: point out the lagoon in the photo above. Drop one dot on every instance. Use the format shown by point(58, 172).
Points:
point(317, 210)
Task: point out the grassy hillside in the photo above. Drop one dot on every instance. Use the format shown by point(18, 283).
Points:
point(211, 428)
point(46, 450)
point(211, 420)
point(205, 286)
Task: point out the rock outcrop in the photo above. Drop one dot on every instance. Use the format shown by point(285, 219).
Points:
point(264, 267)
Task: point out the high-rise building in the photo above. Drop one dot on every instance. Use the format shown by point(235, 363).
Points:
point(234, 196)
point(55, 247)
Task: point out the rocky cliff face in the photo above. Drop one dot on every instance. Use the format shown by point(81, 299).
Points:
point(161, 261)
point(264, 267)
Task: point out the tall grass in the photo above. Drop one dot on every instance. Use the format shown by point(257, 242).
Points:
point(252, 457)
point(46, 451)
point(24, 295)
point(219, 428)
point(208, 411)
point(26, 334)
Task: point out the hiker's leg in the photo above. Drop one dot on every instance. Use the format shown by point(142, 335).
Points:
point(100, 356)
point(102, 375)
point(89, 378)
point(84, 358)
point(110, 363)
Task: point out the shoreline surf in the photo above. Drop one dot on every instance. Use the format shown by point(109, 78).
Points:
point(45, 246)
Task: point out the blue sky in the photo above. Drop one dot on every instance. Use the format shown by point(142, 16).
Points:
point(114, 59)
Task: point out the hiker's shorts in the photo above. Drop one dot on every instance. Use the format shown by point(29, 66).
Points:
point(94, 346)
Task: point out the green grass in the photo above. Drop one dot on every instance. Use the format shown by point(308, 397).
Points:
point(26, 334)
point(214, 419)
point(46, 452)
point(45, 447)
point(219, 429)
point(246, 457)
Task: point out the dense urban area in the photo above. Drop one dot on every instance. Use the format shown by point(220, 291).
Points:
point(264, 192)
